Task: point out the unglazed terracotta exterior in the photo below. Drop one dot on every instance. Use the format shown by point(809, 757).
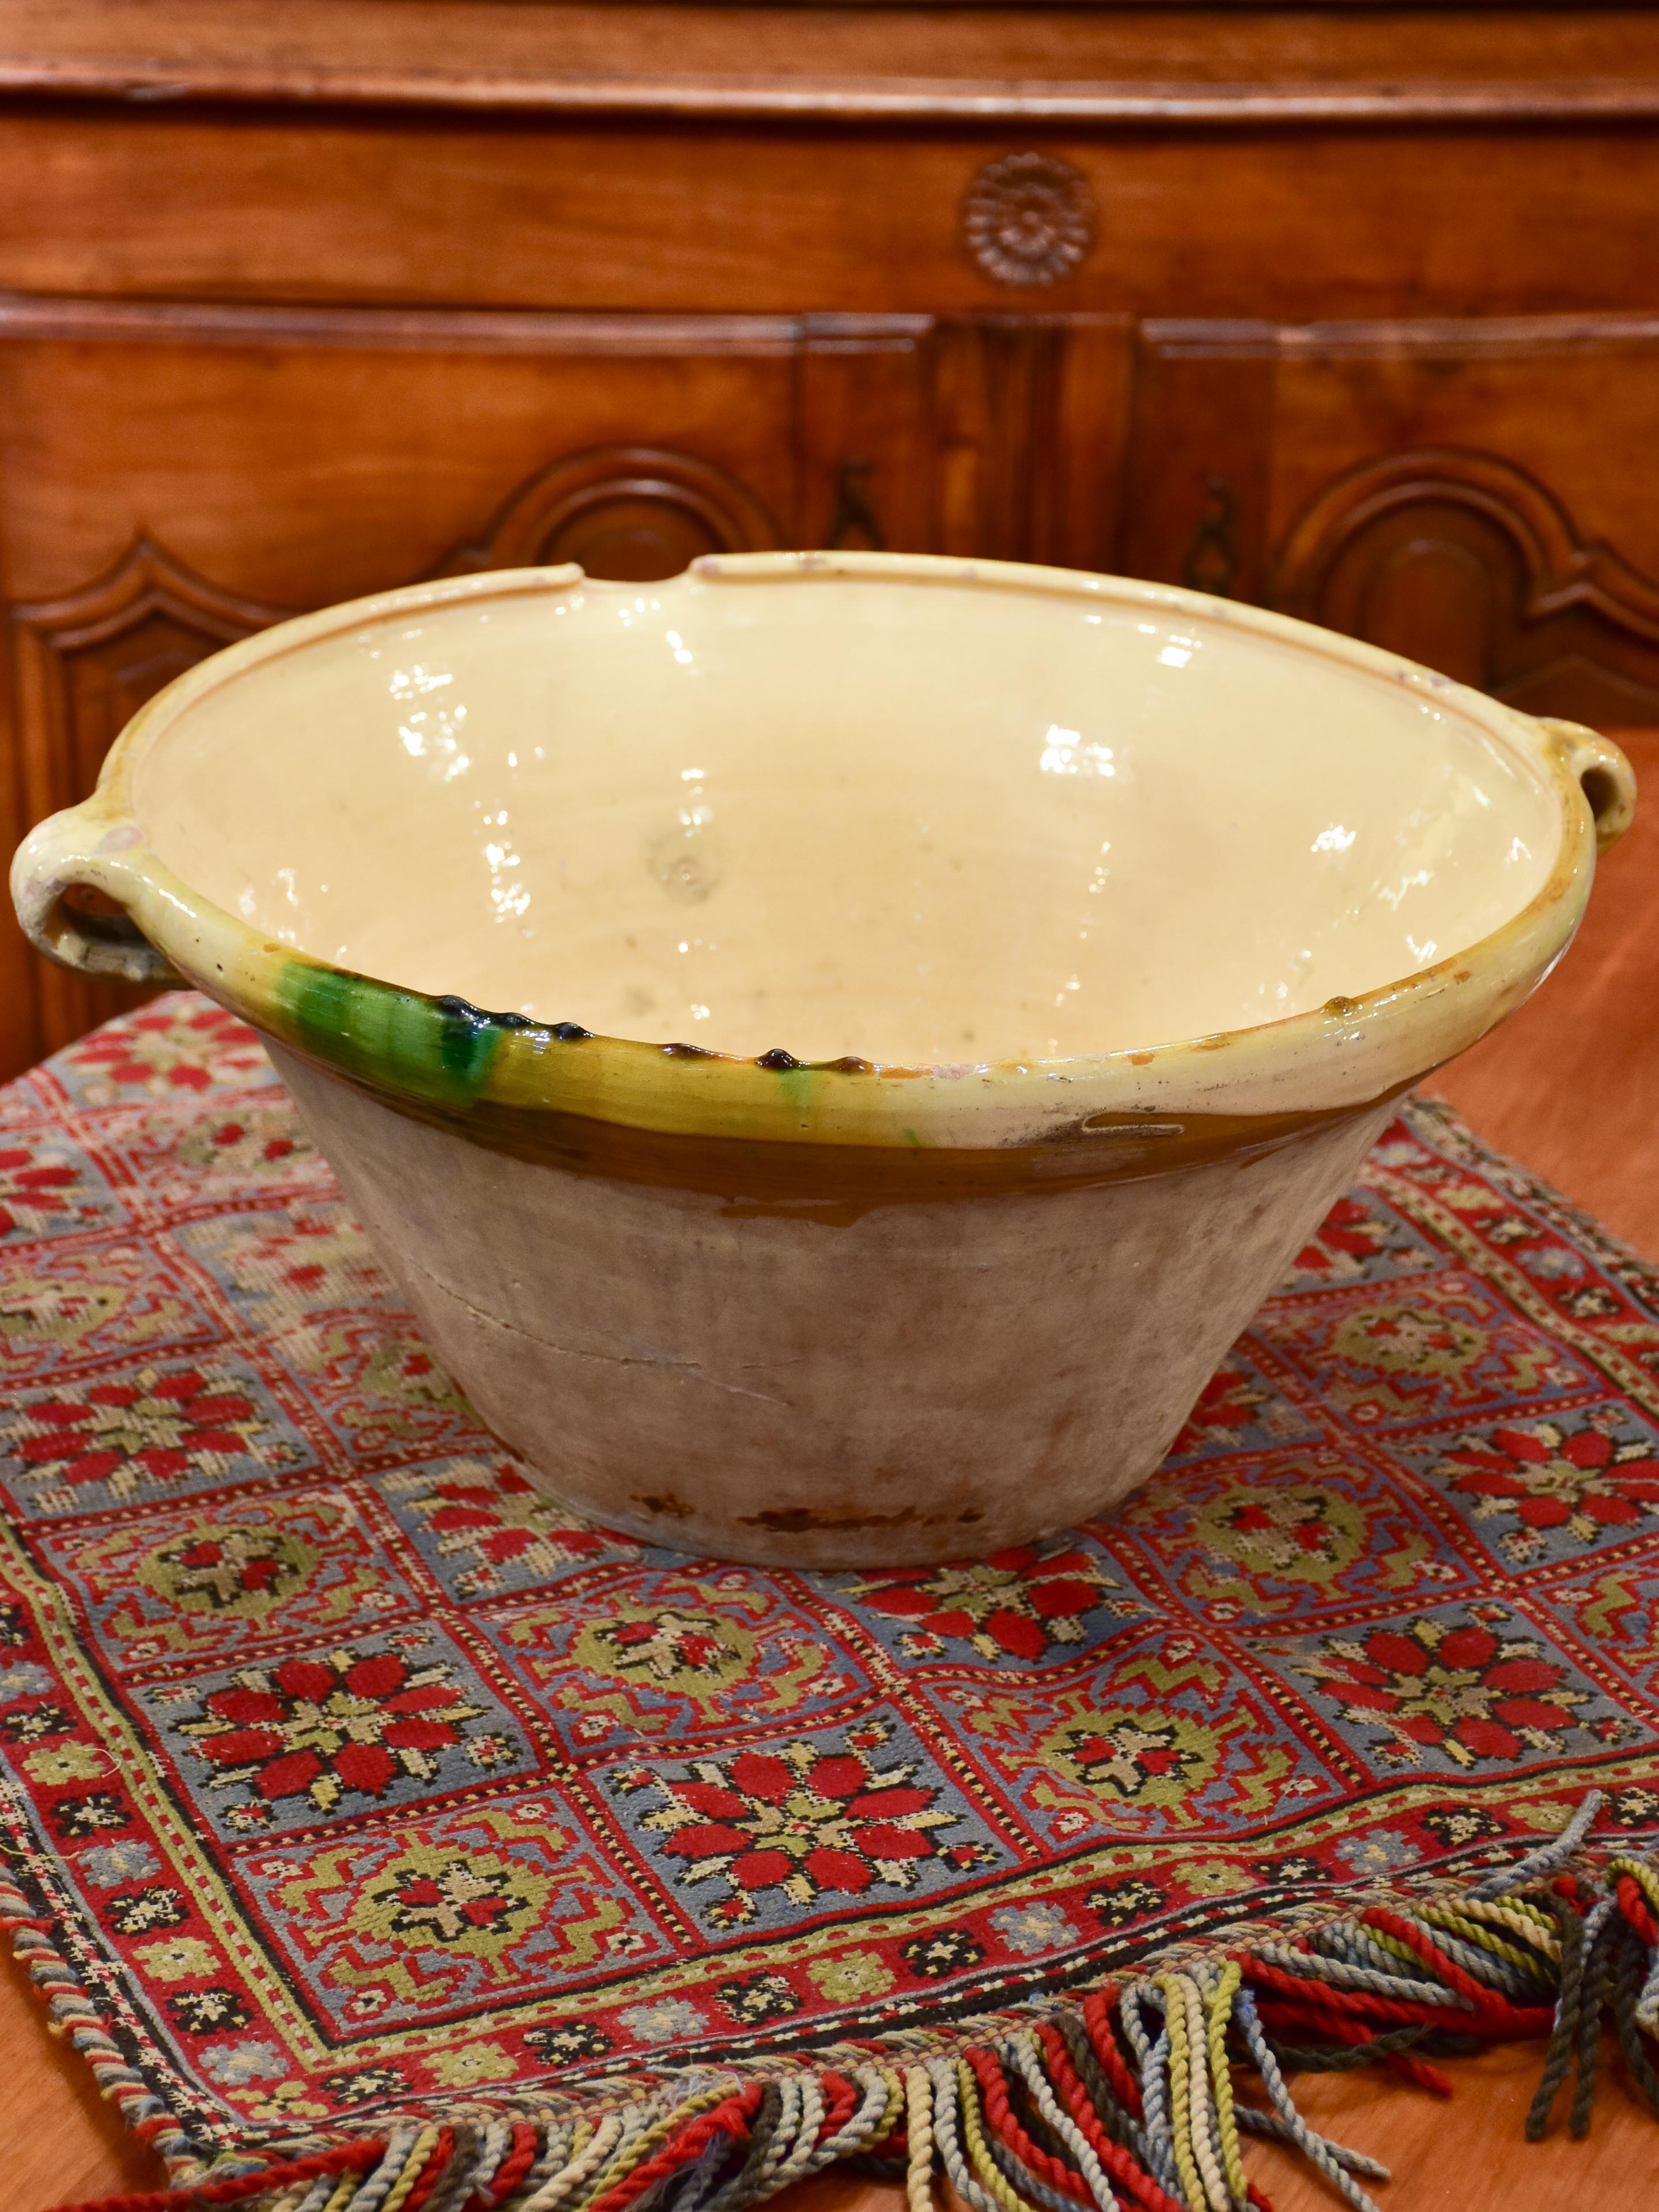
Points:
point(834, 1048)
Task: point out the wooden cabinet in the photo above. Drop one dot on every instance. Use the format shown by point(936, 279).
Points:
point(1349, 312)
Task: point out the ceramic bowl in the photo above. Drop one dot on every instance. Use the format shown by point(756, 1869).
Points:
point(833, 1048)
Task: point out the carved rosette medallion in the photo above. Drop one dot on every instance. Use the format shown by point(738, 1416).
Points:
point(1028, 219)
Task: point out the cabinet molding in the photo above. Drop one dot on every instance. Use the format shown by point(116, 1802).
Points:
point(494, 330)
point(633, 513)
point(1464, 560)
point(83, 665)
point(987, 102)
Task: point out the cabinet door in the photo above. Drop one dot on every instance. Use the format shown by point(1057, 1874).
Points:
point(1471, 495)
point(172, 478)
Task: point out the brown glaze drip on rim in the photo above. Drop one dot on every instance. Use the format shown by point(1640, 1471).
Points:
point(836, 1185)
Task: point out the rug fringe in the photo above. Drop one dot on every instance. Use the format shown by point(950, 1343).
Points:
point(1126, 2099)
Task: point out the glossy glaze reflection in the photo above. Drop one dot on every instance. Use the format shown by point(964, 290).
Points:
point(924, 828)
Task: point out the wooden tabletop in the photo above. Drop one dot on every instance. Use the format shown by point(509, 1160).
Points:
point(1568, 1086)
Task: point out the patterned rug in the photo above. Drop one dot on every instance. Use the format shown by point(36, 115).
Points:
point(387, 1837)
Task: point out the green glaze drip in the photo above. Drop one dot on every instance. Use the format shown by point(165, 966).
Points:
point(468, 1041)
point(801, 1086)
point(441, 1049)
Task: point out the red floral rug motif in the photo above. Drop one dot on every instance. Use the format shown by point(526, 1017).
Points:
point(378, 1828)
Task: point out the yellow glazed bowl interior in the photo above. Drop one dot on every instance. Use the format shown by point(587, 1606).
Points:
point(923, 826)
point(900, 814)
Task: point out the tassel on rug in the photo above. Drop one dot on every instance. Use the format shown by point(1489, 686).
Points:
point(1125, 2101)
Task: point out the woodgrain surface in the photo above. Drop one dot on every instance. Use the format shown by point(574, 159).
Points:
point(1567, 1086)
point(849, 62)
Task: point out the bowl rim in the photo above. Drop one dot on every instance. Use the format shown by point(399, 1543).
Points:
point(437, 1053)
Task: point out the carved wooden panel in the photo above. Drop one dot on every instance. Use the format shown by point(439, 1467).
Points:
point(631, 513)
point(1028, 417)
point(1198, 468)
point(1461, 491)
point(1464, 561)
point(86, 662)
point(998, 437)
point(83, 665)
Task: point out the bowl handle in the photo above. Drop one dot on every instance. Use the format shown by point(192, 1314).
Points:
point(70, 881)
point(1602, 773)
